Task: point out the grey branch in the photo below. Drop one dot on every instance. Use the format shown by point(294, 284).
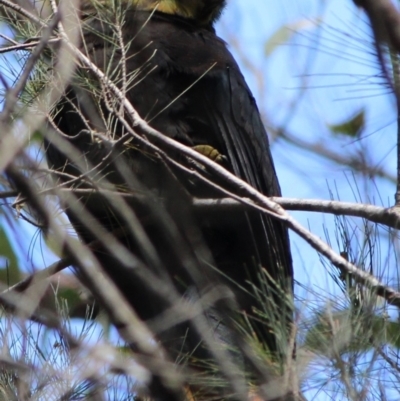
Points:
point(389, 217)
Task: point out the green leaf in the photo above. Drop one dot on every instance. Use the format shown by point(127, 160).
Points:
point(9, 273)
point(351, 127)
point(286, 32)
point(36, 137)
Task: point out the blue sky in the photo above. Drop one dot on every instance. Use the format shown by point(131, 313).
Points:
point(316, 62)
point(322, 75)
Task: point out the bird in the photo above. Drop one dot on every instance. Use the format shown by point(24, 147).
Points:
point(183, 81)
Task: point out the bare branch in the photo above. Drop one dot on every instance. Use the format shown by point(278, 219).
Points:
point(389, 217)
point(385, 20)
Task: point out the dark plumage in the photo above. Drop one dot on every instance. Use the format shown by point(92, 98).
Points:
point(186, 84)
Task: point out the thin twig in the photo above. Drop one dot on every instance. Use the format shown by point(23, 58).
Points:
point(318, 148)
point(20, 10)
point(12, 94)
point(25, 46)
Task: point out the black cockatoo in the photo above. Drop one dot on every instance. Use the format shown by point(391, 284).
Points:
point(180, 77)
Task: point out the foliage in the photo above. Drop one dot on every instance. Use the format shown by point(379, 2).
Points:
point(347, 334)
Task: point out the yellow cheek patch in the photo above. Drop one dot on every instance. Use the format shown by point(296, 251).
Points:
point(175, 7)
point(193, 9)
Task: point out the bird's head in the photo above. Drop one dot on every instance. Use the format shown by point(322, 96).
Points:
point(203, 12)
